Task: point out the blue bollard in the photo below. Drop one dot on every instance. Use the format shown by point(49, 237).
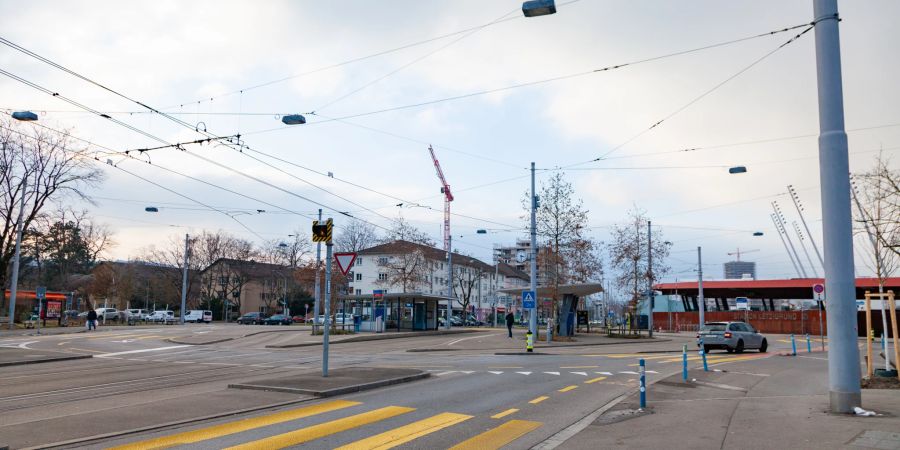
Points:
point(793, 346)
point(808, 345)
point(643, 386)
point(703, 356)
point(684, 369)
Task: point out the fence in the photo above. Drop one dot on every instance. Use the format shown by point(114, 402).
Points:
point(777, 322)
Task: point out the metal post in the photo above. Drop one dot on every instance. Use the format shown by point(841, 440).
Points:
point(780, 219)
point(327, 309)
point(702, 302)
point(783, 242)
point(14, 285)
point(793, 346)
point(808, 345)
point(703, 356)
point(318, 289)
point(643, 384)
point(834, 173)
point(799, 207)
point(684, 369)
point(800, 238)
point(532, 325)
point(649, 281)
point(184, 275)
point(449, 283)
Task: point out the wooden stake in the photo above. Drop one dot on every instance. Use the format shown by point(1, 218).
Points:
point(870, 366)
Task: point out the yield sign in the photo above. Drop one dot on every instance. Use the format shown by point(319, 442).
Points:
point(345, 261)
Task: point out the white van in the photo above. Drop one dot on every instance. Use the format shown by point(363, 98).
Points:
point(198, 315)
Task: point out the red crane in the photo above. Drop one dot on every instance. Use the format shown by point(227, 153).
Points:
point(448, 197)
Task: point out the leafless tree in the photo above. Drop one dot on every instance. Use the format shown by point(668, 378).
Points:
point(407, 270)
point(465, 285)
point(628, 255)
point(53, 171)
point(401, 230)
point(585, 260)
point(289, 252)
point(877, 218)
point(355, 237)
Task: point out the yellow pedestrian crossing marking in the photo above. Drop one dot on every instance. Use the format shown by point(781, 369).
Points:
point(406, 433)
point(498, 437)
point(595, 380)
point(503, 414)
point(225, 429)
point(321, 430)
point(568, 388)
point(538, 400)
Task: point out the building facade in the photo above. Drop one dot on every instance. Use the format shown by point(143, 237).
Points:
point(737, 270)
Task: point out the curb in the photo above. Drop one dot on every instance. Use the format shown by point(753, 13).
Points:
point(46, 360)
point(522, 353)
point(115, 434)
point(379, 337)
point(423, 350)
point(336, 391)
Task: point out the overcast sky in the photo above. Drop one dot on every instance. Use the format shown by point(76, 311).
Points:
point(170, 54)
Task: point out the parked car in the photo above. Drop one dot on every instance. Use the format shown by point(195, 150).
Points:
point(107, 313)
point(299, 319)
point(138, 314)
point(198, 315)
point(731, 336)
point(252, 318)
point(343, 318)
point(278, 319)
point(162, 316)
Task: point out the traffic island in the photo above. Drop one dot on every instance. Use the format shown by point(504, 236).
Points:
point(19, 356)
point(338, 382)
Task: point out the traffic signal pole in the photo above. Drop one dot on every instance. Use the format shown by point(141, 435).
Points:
point(532, 323)
point(327, 327)
point(318, 290)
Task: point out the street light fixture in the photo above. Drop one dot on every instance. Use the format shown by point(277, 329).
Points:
point(25, 116)
point(737, 169)
point(151, 209)
point(293, 119)
point(534, 8)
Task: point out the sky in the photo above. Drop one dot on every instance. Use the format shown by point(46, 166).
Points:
point(367, 76)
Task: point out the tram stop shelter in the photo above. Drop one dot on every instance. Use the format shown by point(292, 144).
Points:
point(571, 302)
point(391, 311)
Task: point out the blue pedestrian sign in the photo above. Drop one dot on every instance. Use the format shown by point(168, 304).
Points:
point(41, 292)
point(528, 299)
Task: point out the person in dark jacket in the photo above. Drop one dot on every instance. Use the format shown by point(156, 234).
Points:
point(510, 320)
point(92, 320)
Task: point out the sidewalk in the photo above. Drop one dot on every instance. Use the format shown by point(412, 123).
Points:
point(774, 402)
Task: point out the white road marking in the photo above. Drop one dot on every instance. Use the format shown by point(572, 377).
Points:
point(495, 372)
point(445, 373)
point(525, 373)
point(629, 372)
point(651, 371)
point(604, 373)
point(584, 374)
point(553, 373)
point(467, 372)
point(467, 338)
point(145, 350)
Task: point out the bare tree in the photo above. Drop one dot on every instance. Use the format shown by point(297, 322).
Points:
point(407, 270)
point(53, 171)
point(585, 260)
point(356, 236)
point(291, 253)
point(628, 255)
point(560, 219)
point(401, 230)
point(465, 282)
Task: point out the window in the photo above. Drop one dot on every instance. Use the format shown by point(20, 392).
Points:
point(358, 261)
point(382, 276)
point(358, 278)
point(358, 291)
point(383, 260)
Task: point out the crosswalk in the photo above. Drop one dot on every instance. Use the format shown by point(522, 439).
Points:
point(441, 373)
point(498, 432)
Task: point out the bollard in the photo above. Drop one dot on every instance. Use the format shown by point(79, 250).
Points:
point(793, 346)
point(529, 341)
point(643, 386)
point(808, 345)
point(703, 356)
point(684, 370)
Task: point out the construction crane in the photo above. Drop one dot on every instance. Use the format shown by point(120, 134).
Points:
point(738, 252)
point(448, 197)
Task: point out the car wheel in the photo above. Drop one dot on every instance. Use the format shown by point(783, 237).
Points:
point(252, 322)
point(740, 347)
point(764, 346)
point(729, 349)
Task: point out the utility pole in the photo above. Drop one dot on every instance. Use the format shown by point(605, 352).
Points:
point(834, 173)
point(318, 290)
point(327, 322)
point(450, 282)
point(700, 300)
point(649, 280)
point(184, 275)
point(15, 272)
point(532, 323)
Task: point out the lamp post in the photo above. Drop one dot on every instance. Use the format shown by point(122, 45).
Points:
point(22, 116)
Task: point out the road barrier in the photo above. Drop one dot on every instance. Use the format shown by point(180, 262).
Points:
point(684, 369)
point(529, 341)
point(643, 385)
point(808, 345)
point(793, 346)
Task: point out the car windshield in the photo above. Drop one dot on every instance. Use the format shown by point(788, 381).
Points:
point(714, 327)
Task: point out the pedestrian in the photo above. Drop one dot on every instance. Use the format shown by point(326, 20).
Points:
point(510, 319)
point(92, 320)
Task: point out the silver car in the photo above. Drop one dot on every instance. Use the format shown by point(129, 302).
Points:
point(731, 336)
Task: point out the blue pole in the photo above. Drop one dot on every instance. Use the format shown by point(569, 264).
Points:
point(808, 346)
point(793, 346)
point(643, 386)
point(684, 370)
point(703, 356)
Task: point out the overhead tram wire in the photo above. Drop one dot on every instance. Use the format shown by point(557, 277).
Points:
point(696, 99)
point(95, 159)
point(546, 80)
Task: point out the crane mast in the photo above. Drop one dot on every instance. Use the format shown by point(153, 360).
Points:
point(448, 197)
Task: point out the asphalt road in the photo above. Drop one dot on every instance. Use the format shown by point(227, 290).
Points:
point(138, 378)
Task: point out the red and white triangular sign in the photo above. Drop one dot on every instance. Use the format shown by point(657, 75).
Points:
point(345, 261)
